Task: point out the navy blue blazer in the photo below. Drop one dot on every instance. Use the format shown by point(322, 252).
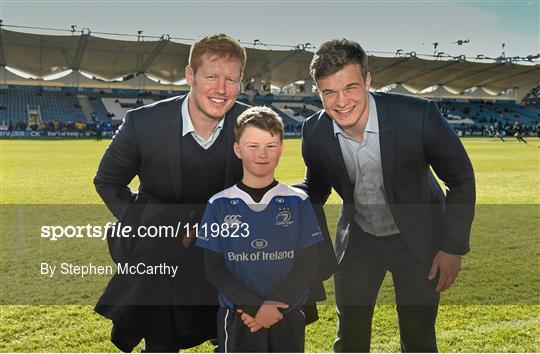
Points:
point(416, 141)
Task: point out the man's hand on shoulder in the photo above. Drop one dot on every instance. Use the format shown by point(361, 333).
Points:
point(448, 266)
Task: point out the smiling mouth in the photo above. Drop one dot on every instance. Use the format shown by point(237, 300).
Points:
point(217, 100)
point(344, 111)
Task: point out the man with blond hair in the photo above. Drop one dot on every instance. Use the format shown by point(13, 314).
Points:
point(181, 149)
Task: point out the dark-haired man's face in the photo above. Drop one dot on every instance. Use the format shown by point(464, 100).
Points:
point(214, 86)
point(345, 96)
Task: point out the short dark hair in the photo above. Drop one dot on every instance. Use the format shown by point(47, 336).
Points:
point(260, 117)
point(334, 54)
point(220, 45)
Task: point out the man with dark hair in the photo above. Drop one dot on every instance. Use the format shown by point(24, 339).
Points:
point(181, 149)
point(377, 151)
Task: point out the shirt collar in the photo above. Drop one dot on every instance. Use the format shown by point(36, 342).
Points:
point(187, 125)
point(372, 125)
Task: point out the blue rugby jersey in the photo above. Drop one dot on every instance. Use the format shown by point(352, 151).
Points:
point(263, 238)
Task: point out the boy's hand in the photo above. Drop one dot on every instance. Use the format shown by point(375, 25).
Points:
point(249, 321)
point(188, 237)
point(269, 313)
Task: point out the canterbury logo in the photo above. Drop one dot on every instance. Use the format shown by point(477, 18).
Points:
point(259, 244)
point(232, 220)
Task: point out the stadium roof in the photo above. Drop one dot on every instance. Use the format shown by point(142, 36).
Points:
point(42, 55)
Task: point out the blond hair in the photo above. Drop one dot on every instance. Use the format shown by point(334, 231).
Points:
point(220, 45)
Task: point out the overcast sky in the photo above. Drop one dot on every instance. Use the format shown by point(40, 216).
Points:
point(377, 25)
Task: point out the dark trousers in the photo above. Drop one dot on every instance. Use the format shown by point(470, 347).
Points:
point(357, 283)
point(286, 336)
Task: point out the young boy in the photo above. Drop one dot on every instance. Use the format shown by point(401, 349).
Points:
point(260, 239)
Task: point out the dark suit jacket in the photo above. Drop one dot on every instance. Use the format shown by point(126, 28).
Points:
point(148, 145)
point(414, 138)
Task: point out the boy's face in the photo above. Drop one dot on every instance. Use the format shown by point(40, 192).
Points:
point(259, 152)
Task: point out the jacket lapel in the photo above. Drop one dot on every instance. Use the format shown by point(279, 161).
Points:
point(173, 132)
point(387, 142)
point(335, 158)
point(233, 165)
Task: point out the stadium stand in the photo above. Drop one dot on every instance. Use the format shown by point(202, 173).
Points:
point(287, 113)
point(117, 107)
point(66, 108)
point(532, 99)
point(290, 123)
point(101, 113)
point(488, 112)
point(53, 105)
point(295, 110)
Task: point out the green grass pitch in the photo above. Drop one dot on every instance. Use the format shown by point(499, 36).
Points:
point(493, 307)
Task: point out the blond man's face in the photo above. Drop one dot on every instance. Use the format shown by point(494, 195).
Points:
point(214, 87)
